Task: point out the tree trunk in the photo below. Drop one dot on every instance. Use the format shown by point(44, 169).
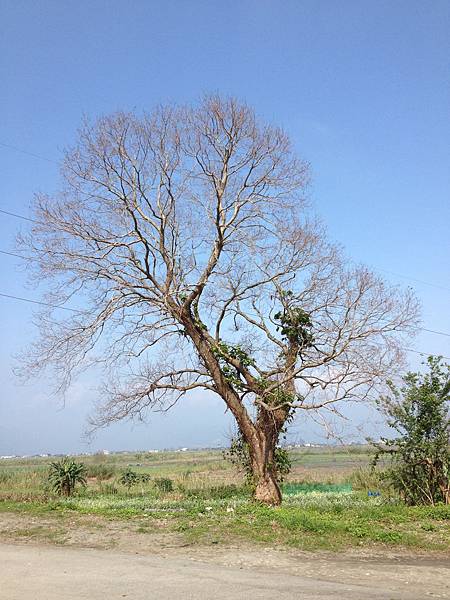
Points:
point(262, 456)
point(262, 436)
point(267, 490)
point(262, 446)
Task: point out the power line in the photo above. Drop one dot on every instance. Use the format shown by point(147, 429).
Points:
point(38, 302)
point(29, 153)
point(425, 353)
point(434, 331)
point(436, 285)
point(442, 287)
point(80, 312)
point(16, 255)
point(12, 214)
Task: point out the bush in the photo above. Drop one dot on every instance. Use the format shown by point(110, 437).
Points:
point(164, 484)
point(367, 479)
point(420, 455)
point(65, 474)
point(130, 478)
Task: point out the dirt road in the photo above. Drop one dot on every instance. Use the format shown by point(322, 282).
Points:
point(50, 573)
point(82, 557)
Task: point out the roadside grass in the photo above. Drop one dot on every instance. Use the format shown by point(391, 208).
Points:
point(36, 533)
point(209, 503)
point(318, 520)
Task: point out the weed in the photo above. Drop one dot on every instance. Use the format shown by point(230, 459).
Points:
point(164, 484)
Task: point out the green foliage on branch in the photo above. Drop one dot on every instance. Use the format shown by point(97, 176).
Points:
point(64, 474)
point(420, 412)
point(277, 396)
point(224, 352)
point(295, 325)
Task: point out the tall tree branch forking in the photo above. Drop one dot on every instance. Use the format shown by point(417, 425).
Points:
point(186, 236)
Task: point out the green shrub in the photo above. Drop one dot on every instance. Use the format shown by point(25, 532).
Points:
point(420, 454)
point(130, 478)
point(64, 474)
point(164, 484)
point(366, 478)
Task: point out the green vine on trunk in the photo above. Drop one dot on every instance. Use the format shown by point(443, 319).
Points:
point(224, 352)
point(238, 454)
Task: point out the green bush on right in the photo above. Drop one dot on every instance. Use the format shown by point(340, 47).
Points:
point(419, 412)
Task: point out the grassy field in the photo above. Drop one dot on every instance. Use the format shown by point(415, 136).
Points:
point(326, 502)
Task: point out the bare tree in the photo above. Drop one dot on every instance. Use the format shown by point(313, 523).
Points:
point(185, 233)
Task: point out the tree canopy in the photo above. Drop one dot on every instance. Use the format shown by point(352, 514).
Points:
point(186, 235)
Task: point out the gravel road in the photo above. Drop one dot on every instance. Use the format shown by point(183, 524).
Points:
point(40, 572)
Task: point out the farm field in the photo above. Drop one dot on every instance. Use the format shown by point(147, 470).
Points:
point(195, 498)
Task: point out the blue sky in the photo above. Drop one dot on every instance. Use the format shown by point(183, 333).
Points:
point(363, 88)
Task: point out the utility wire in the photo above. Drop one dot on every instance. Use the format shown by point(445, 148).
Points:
point(425, 353)
point(442, 287)
point(29, 153)
point(435, 331)
point(80, 312)
point(41, 303)
point(11, 214)
point(436, 285)
point(16, 255)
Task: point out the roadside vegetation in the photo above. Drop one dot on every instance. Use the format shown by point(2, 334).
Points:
point(332, 499)
point(419, 412)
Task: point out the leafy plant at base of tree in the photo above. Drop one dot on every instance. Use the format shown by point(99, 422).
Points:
point(419, 412)
point(65, 474)
point(238, 454)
